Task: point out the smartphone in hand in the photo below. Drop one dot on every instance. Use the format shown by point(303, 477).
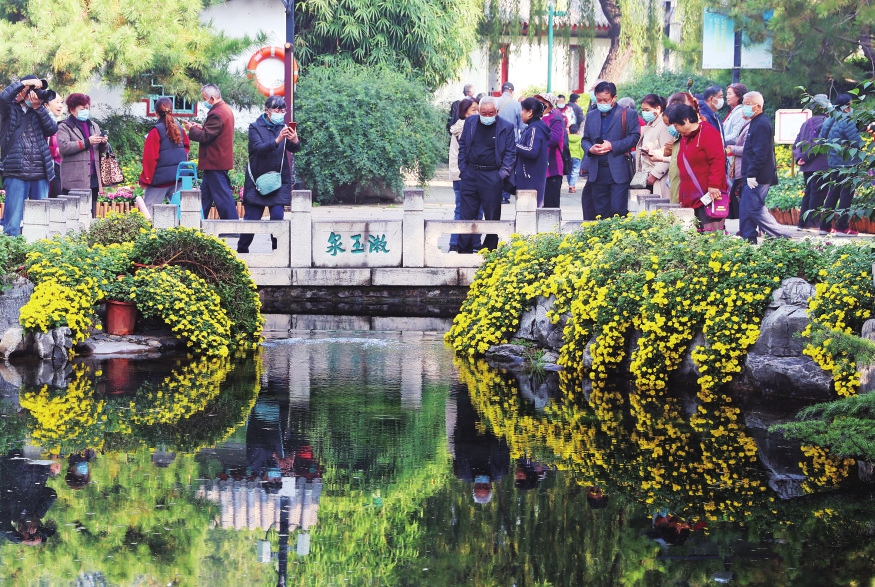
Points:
point(104, 133)
point(599, 141)
point(293, 125)
point(706, 199)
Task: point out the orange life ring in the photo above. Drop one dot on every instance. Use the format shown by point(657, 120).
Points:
point(269, 53)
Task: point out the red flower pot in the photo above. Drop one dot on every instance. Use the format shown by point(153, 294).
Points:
point(121, 317)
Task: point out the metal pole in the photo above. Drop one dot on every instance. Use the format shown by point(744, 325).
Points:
point(736, 60)
point(283, 557)
point(290, 58)
point(550, 11)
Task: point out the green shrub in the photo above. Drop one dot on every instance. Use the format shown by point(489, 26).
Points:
point(787, 195)
point(363, 128)
point(117, 228)
point(210, 259)
point(667, 83)
point(12, 253)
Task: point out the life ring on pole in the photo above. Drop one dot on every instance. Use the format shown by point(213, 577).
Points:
point(278, 53)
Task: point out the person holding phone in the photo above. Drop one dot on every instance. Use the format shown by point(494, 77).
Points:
point(270, 140)
point(166, 147)
point(80, 142)
point(651, 145)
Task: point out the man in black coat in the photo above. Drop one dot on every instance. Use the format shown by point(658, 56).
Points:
point(487, 157)
point(759, 171)
point(25, 499)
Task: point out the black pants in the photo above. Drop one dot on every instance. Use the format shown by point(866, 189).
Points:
point(216, 187)
point(552, 191)
point(480, 189)
point(255, 212)
point(608, 197)
point(586, 202)
point(841, 195)
point(815, 194)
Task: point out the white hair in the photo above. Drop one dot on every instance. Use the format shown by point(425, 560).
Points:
point(211, 91)
point(488, 100)
point(754, 97)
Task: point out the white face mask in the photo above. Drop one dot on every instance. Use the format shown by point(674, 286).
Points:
point(719, 104)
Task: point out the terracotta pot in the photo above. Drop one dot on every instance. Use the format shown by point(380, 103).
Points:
point(795, 216)
point(121, 317)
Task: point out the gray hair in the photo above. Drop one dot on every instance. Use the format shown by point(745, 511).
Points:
point(488, 100)
point(626, 102)
point(211, 91)
point(754, 97)
point(468, 89)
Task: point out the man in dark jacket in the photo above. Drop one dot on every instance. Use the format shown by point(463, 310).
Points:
point(810, 163)
point(840, 130)
point(713, 101)
point(25, 499)
point(216, 155)
point(608, 145)
point(487, 157)
point(25, 160)
point(579, 116)
point(759, 171)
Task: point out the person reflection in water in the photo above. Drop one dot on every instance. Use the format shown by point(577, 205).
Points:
point(79, 469)
point(480, 459)
point(596, 498)
point(670, 530)
point(25, 499)
point(529, 474)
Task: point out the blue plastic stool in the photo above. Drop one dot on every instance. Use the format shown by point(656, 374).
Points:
point(186, 178)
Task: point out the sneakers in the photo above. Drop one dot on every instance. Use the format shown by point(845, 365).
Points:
point(505, 200)
point(848, 232)
point(822, 232)
point(571, 190)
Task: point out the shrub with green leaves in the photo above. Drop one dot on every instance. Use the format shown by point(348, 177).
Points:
point(12, 253)
point(117, 228)
point(665, 84)
point(364, 128)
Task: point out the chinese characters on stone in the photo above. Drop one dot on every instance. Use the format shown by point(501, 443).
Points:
point(375, 244)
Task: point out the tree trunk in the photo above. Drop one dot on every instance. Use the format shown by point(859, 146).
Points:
point(615, 63)
point(866, 46)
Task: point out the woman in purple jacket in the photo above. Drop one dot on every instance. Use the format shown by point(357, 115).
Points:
point(531, 150)
point(555, 170)
point(816, 188)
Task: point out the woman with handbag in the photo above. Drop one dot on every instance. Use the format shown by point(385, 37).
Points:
point(165, 148)
point(268, 181)
point(80, 143)
point(651, 169)
point(702, 167)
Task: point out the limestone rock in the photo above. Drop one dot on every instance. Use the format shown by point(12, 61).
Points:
point(63, 338)
point(779, 332)
point(12, 301)
point(44, 344)
point(794, 291)
point(506, 353)
point(15, 340)
point(782, 378)
point(536, 326)
point(779, 456)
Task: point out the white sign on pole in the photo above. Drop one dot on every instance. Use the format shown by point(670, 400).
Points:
point(788, 121)
point(718, 44)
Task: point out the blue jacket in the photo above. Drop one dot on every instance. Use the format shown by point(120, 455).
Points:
point(27, 158)
point(531, 163)
point(805, 140)
point(622, 146)
point(758, 160)
point(841, 130)
point(505, 145)
point(266, 155)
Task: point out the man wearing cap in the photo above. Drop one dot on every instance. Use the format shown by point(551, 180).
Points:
point(25, 160)
point(487, 157)
point(608, 145)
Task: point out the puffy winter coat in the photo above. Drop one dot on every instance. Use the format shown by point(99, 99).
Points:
point(27, 158)
point(266, 155)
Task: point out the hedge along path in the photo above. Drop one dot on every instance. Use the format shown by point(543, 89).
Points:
point(647, 273)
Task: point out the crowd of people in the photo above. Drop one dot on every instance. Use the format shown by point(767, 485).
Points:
point(678, 147)
point(44, 153)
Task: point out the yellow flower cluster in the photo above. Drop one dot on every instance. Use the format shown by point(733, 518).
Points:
point(53, 305)
point(823, 469)
point(843, 301)
point(187, 303)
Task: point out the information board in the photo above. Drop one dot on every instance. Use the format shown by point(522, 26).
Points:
point(787, 124)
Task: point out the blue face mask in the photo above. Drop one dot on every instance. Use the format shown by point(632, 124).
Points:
point(83, 114)
point(82, 469)
point(487, 120)
point(673, 131)
point(206, 105)
point(604, 107)
point(648, 115)
point(747, 111)
point(277, 118)
point(592, 97)
point(481, 479)
point(274, 473)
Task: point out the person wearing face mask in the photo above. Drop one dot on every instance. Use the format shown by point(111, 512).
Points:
point(758, 172)
point(555, 167)
point(532, 150)
point(467, 107)
point(270, 139)
point(734, 121)
point(80, 144)
point(651, 146)
point(578, 111)
point(565, 110)
point(166, 147)
point(712, 102)
point(487, 159)
point(25, 160)
point(56, 107)
point(609, 135)
point(216, 154)
point(840, 129)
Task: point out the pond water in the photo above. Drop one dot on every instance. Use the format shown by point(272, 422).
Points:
point(380, 459)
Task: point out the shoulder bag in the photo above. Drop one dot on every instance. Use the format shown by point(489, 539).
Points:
point(630, 162)
point(110, 169)
point(718, 209)
point(270, 181)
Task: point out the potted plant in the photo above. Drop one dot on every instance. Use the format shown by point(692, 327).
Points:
point(121, 312)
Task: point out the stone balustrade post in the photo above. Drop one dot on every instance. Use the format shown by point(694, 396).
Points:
point(413, 228)
point(35, 221)
point(57, 216)
point(527, 212)
point(85, 207)
point(72, 210)
point(549, 219)
point(190, 208)
point(301, 229)
point(165, 216)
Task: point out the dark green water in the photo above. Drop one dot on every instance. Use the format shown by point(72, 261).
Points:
point(385, 462)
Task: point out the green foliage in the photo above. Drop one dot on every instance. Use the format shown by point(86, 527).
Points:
point(787, 195)
point(117, 228)
point(127, 43)
point(431, 39)
point(364, 128)
point(211, 260)
point(12, 253)
point(665, 84)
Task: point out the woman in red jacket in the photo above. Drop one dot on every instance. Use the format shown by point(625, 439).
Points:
point(166, 147)
point(702, 148)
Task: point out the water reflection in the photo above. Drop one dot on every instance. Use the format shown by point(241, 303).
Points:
point(375, 460)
